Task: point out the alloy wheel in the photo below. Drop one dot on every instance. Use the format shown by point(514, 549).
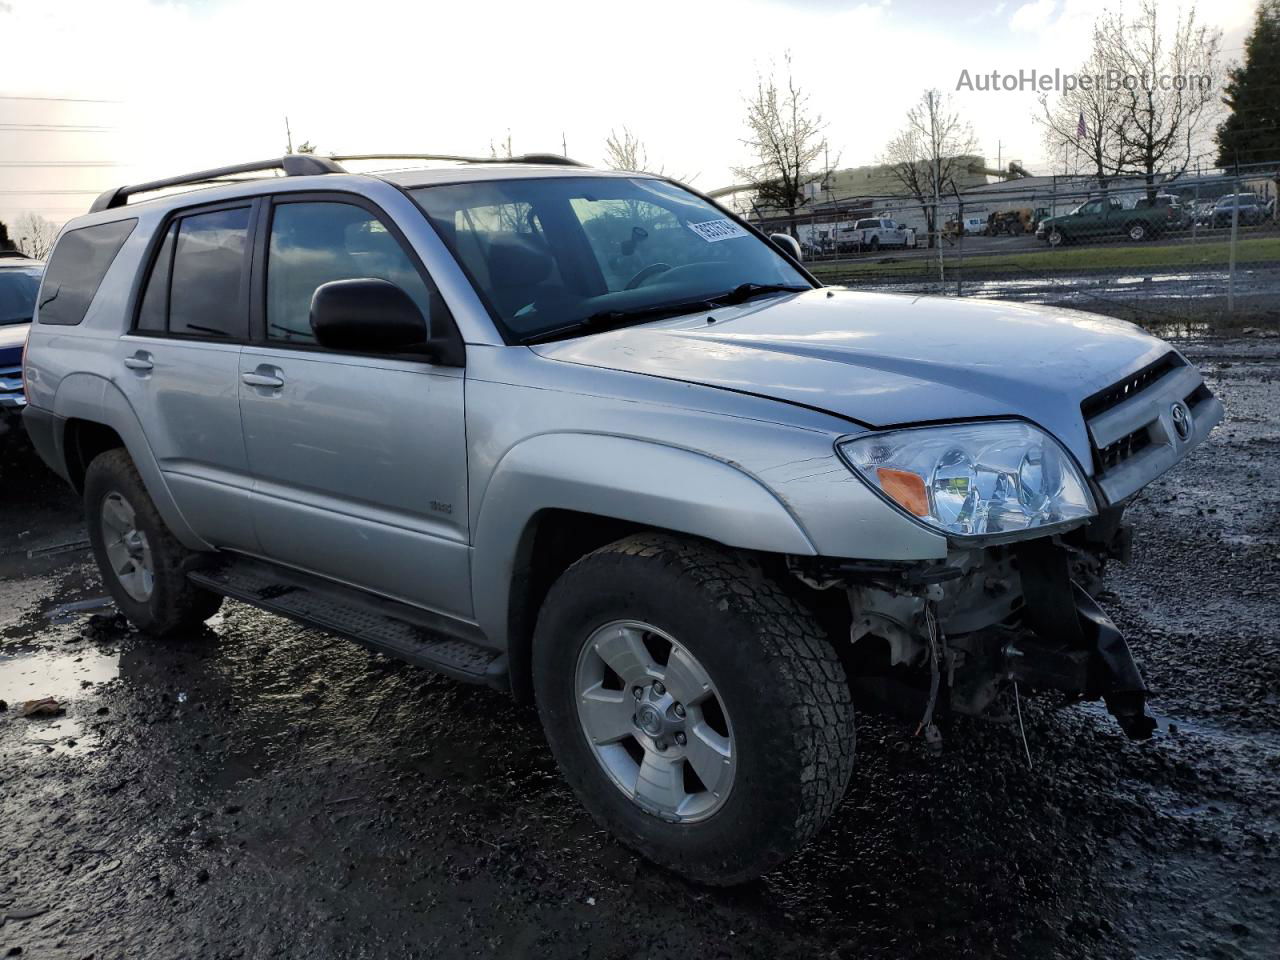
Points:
point(654, 721)
point(128, 550)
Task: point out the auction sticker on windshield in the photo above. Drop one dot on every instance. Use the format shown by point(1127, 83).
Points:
point(716, 230)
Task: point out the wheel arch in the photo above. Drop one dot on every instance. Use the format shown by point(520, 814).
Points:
point(96, 416)
point(557, 497)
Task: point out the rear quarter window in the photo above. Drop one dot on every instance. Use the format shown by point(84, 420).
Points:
point(79, 262)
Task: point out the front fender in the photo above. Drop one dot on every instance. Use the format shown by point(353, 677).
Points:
point(86, 396)
point(639, 481)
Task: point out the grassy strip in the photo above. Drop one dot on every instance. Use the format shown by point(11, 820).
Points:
point(1076, 258)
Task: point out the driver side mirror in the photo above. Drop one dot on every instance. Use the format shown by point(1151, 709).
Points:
point(368, 315)
point(787, 244)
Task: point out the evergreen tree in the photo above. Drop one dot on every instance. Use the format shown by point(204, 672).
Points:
point(1251, 134)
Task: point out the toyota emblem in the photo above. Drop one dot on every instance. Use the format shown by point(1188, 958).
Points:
point(1181, 421)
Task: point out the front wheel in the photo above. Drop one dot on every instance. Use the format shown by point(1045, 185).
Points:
point(142, 563)
point(1056, 238)
point(698, 712)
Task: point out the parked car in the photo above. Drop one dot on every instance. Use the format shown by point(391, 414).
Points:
point(1108, 217)
point(19, 280)
point(876, 232)
point(1249, 209)
point(588, 437)
point(1178, 216)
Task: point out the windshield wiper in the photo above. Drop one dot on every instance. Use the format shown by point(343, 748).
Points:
point(619, 318)
point(745, 291)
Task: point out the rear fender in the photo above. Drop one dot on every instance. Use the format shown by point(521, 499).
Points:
point(89, 397)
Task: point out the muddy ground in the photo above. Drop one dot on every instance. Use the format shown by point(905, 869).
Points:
point(259, 789)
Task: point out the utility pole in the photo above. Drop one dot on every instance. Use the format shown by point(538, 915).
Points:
point(564, 145)
point(288, 135)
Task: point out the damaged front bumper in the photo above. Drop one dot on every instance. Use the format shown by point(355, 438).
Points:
point(954, 636)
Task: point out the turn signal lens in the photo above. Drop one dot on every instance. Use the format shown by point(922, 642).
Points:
point(906, 488)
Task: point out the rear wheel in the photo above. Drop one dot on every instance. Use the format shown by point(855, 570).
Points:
point(1137, 231)
point(699, 712)
point(142, 563)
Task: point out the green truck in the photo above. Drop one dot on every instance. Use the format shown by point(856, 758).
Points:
point(1105, 217)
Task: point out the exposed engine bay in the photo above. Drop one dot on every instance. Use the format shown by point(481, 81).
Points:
point(955, 634)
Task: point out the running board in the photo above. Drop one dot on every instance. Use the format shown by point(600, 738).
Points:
point(407, 633)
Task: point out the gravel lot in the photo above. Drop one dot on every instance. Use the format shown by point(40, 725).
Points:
point(258, 789)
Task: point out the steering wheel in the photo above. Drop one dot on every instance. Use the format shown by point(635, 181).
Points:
point(652, 270)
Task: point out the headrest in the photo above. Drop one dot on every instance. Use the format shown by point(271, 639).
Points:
point(516, 261)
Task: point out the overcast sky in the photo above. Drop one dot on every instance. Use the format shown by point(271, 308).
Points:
point(187, 84)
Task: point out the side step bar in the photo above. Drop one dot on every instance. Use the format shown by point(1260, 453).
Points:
point(396, 629)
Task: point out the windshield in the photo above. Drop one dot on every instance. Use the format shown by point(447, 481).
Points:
point(18, 286)
point(548, 254)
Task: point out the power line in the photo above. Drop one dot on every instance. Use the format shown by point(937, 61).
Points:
point(60, 163)
point(49, 193)
point(54, 128)
point(57, 99)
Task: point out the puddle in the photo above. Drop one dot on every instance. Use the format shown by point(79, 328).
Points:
point(70, 612)
point(62, 735)
point(27, 674)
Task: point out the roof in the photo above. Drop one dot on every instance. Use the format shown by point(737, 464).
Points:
point(473, 173)
point(455, 169)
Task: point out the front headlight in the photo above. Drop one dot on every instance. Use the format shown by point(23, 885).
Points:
point(975, 479)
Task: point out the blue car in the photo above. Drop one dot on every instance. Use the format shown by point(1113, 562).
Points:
point(19, 281)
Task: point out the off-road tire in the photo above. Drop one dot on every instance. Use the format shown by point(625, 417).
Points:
point(777, 674)
point(175, 603)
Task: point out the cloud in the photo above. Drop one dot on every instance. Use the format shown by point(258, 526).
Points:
point(1033, 17)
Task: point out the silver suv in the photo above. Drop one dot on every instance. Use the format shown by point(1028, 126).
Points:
point(591, 438)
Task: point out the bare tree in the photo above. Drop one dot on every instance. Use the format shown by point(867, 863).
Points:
point(627, 152)
point(786, 137)
point(500, 149)
point(929, 152)
point(1083, 125)
point(35, 235)
point(1169, 89)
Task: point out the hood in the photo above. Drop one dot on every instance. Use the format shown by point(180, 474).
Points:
point(884, 360)
point(12, 337)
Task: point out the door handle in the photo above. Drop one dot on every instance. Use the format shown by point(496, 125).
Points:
point(139, 361)
point(261, 380)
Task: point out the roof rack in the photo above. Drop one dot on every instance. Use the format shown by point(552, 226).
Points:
point(551, 159)
point(305, 165)
point(293, 165)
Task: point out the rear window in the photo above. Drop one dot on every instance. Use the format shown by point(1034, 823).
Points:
point(867, 224)
point(196, 284)
point(79, 262)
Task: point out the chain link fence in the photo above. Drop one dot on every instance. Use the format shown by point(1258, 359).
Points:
point(1186, 255)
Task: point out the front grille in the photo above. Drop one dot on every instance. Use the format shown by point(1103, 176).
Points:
point(1118, 393)
point(1113, 454)
point(1133, 424)
point(11, 386)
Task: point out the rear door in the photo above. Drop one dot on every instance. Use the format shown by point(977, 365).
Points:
point(359, 459)
point(180, 363)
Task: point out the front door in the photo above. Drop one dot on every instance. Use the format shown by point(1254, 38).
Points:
point(180, 362)
point(359, 460)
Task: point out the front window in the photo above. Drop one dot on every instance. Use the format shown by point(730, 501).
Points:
point(18, 286)
point(552, 254)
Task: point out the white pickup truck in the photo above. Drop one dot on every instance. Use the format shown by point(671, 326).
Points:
point(874, 233)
